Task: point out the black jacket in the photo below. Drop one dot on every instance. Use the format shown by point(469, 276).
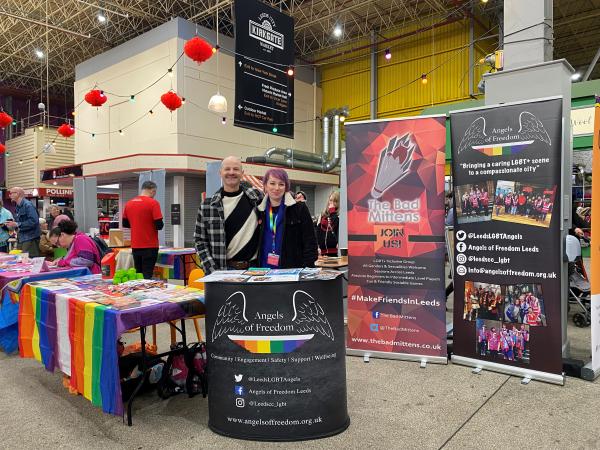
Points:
point(299, 246)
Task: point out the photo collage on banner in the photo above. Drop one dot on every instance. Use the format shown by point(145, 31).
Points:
point(507, 288)
point(396, 292)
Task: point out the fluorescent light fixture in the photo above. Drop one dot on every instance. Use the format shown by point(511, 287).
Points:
point(101, 17)
point(576, 76)
point(337, 31)
point(39, 54)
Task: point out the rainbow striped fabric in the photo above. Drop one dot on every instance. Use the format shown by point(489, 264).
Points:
point(170, 263)
point(271, 344)
point(79, 337)
point(511, 148)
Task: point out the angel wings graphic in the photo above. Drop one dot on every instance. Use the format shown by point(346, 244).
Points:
point(309, 319)
point(530, 129)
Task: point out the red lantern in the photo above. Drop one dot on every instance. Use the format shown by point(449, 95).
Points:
point(66, 130)
point(95, 97)
point(2, 149)
point(171, 100)
point(5, 119)
point(198, 49)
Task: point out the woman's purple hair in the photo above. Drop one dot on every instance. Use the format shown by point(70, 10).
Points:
point(280, 174)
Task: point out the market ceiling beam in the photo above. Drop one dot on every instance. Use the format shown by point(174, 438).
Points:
point(43, 24)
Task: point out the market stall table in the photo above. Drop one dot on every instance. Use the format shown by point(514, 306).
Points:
point(277, 359)
point(13, 275)
point(73, 325)
point(171, 264)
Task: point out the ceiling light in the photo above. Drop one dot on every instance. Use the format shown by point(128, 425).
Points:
point(388, 54)
point(576, 76)
point(101, 17)
point(337, 31)
point(170, 71)
point(224, 120)
point(39, 54)
point(218, 103)
point(342, 118)
point(424, 78)
point(484, 1)
point(121, 132)
point(20, 161)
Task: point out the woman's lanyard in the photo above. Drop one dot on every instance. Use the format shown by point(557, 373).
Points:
point(273, 225)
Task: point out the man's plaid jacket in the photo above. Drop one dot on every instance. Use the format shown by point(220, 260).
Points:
point(209, 236)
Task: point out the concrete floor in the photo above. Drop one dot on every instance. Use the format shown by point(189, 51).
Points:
point(392, 405)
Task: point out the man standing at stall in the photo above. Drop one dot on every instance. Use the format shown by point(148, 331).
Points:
point(226, 235)
point(27, 222)
point(142, 214)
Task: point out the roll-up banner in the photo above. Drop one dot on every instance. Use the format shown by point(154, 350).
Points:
point(595, 247)
point(264, 92)
point(506, 162)
point(396, 293)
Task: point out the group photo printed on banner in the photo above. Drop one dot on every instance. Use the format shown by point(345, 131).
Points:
point(475, 202)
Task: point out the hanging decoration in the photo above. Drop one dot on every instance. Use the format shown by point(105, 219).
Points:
point(198, 49)
point(2, 148)
point(66, 130)
point(5, 119)
point(218, 103)
point(171, 100)
point(95, 97)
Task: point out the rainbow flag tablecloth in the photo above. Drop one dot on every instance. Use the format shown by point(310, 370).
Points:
point(73, 325)
point(11, 284)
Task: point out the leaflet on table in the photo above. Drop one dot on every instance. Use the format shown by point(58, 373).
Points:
point(265, 275)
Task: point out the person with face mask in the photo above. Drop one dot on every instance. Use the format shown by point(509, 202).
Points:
point(328, 226)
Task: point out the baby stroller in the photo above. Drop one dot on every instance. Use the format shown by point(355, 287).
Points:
point(579, 285)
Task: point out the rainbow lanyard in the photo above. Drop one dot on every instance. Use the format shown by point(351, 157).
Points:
point(273, 224)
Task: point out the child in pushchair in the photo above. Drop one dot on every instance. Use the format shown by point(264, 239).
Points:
point(579, 284)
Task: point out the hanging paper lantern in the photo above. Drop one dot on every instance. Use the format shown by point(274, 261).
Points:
point(5, 119)
point(198, 49)
point(95, 97)
point(2, 149)
point(66, 130)
point(171, 100)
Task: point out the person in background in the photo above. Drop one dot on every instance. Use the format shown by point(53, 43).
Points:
point(53, 211)
point(287, 236)
point(46, 247)
point(226, 235)
point(577, 223)
point(328, 225)
point(58, 219)
point(82, 251)
point(300, 196)
point(5, 215)
point(27, 223)
point(142, 214)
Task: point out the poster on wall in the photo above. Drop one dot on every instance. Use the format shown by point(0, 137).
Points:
point(264, 45)
point(506, 163)
point(595, 248)
point(396, 293)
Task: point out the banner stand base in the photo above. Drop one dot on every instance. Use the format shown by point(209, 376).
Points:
point(366, 354)
point(588, 373)
point(509, 370)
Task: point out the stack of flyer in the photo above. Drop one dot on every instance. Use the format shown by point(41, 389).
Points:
point(266, 275)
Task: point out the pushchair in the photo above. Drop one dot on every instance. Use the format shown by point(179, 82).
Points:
point(579, 284)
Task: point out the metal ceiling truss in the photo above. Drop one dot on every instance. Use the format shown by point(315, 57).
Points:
point(22, 26)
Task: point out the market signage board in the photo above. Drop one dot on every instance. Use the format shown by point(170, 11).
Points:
point(264, 92)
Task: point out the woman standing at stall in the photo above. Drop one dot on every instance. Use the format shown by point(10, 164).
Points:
point(328, 226)
point(287, 237)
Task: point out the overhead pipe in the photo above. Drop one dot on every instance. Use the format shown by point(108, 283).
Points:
point(305, 160)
